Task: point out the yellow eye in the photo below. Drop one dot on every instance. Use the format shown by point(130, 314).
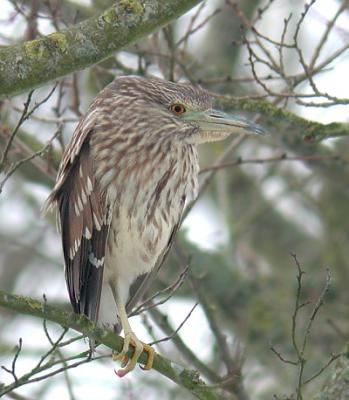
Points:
point(177, 109)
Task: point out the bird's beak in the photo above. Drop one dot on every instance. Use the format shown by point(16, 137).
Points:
point(217, 125)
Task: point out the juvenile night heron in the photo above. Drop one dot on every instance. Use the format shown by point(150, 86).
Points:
point(124, 180)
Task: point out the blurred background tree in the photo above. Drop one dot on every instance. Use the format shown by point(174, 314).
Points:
point(264, 250)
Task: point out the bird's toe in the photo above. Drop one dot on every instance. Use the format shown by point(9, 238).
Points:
point(151, 354)
point(129, 363)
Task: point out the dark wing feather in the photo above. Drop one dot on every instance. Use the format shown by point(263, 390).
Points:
point(91, 282)
point(84, 221)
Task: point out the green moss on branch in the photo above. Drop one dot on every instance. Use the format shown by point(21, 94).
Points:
point(284, 122)
point(186, 378)
point(31, 64)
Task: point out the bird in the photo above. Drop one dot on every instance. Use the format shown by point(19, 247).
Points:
point(125, 178)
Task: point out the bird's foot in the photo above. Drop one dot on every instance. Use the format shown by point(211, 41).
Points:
point(127, 363)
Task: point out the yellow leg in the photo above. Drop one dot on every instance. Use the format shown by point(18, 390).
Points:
point(131, 339)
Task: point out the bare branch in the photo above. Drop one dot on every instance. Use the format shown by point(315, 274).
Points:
point(175, 332)
point(188, 379)
point(281, 158)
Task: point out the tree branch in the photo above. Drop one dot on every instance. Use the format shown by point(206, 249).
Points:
point(189, 379)
point(285, 122)
point(31, 64)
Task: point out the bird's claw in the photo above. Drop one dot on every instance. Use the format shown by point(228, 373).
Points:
point(127, 363)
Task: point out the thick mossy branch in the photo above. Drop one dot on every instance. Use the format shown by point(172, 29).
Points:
point(189, 379)
point(31, 64)
point(285, 122)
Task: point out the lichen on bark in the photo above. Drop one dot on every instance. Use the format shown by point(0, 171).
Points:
point(27, 65)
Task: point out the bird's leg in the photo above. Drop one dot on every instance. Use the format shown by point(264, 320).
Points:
point(130, 339)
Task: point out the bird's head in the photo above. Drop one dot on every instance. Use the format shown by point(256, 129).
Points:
point(177, 111)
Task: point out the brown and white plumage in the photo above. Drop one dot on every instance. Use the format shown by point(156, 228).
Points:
point(122, 186)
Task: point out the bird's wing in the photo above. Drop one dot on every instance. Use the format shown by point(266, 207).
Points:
point(84, 219)
point(142, 284)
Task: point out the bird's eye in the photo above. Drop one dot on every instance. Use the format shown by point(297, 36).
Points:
point(178, 109)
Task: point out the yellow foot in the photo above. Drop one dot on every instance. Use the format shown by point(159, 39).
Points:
point(129, 364)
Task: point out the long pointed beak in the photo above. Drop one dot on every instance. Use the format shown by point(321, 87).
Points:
point(217, 125)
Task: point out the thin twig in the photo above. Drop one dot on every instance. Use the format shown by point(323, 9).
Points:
point(19, 163)
point(175, 332)
point(146, 304)
point(22, 118)
point(282, 157)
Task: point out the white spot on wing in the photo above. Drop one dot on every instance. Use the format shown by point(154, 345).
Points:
point(87, 233)
point(80, 205)
point(74, 248)
point(97, 223)
point(89, 185)
point(76, 209)
point(83, 196)
point(95, 261)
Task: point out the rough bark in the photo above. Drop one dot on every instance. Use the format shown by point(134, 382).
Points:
point(189, 379)
point(31, 64)
point(285, 123)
